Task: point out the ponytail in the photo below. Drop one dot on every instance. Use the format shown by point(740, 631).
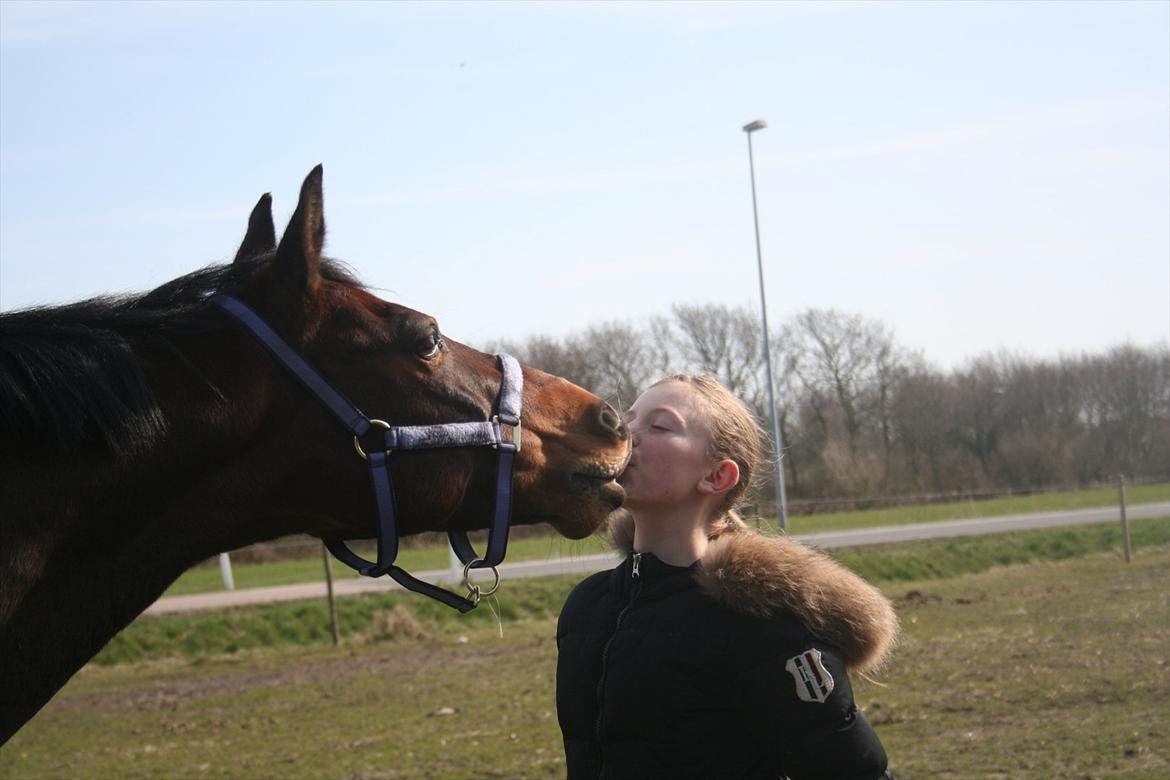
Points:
point(729, 522)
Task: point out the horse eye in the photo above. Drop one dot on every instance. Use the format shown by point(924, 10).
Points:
point(431, 348)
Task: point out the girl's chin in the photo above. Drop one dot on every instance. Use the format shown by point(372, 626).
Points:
point(634, 501)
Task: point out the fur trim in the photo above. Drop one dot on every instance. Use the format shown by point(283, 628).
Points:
point(766, 575)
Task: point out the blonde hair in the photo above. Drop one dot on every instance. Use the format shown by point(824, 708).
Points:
point(735, 435)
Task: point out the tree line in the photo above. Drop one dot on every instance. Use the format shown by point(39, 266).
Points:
point(862, 415)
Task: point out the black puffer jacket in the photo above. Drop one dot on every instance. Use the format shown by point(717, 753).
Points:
point(660, 677)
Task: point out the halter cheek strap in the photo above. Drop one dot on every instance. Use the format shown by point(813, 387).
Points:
point(412, 437)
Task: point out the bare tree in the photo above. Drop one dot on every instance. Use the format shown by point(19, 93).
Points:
point(664, 347)
point(563, 358)
point(725, 342)
point(979, 415)
point(848, 361)
point(1130, 394)
point(787, 390)
point(923, 412)
point(621, 359)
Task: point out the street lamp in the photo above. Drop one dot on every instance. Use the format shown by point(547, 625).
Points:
point(781, 501)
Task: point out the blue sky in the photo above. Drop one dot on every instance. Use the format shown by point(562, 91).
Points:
point(979, 176)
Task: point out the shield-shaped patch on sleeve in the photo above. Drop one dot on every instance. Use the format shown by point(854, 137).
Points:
point(813, 681)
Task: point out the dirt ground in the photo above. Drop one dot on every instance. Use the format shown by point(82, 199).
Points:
point(1049, 670)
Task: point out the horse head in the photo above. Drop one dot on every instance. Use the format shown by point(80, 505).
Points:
point(397, 365)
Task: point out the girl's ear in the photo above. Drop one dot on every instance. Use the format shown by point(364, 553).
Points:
point(723, 477)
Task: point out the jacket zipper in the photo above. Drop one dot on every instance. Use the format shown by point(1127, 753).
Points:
point(605, 656)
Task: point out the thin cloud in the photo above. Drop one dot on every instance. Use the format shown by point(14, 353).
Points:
point(522, 182)
point(1060, 117)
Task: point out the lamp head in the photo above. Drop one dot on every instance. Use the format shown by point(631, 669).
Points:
point(758, 124)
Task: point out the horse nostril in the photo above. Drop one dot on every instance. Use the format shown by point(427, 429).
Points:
point(611, 421)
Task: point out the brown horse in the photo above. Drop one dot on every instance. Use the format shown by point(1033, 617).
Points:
point(141, 435)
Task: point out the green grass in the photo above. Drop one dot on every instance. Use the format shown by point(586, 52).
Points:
point(944, 558)
point(371, 617)
point(382, 616)
point(1050, 669)
point(993, 507)
point(204, 579)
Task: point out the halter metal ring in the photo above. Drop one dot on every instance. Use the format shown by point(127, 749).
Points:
point(474, 590)
point(357, 445)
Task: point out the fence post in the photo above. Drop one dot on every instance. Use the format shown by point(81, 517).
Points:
point(1124, 519)
point(225, 571)
point(456, 566)
point(329, 593)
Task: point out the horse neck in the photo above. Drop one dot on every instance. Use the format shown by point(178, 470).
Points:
point(212, 391)
point(85, 547)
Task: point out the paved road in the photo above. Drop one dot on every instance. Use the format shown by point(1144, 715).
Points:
point(347, 586)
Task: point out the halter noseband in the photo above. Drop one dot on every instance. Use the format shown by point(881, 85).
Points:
point(411, 437)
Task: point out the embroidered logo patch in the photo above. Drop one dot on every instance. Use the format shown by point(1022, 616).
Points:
point(813, 681)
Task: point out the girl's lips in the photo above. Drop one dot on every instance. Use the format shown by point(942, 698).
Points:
point(621, 478)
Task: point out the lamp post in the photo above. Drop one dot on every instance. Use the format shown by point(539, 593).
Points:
point(781, 500)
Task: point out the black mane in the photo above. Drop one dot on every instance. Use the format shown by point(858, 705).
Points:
point(71, 381)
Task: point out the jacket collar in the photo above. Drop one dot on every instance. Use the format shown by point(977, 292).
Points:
point(763, 575)
point(655, 579)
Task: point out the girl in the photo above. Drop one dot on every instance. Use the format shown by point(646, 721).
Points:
point(713, 651)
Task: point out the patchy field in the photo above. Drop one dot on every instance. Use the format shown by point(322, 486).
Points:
point(1049, 670)
point(1044, 670)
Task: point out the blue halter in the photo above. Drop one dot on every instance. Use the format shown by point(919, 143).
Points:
point(411, 437)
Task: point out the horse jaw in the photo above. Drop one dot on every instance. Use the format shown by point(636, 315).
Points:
point(574, 449)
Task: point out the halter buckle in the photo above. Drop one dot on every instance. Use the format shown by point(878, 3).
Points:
point(357, 444)
point(516, 431)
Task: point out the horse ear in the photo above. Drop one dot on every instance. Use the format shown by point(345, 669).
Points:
point(298, 258)
point(261, 235)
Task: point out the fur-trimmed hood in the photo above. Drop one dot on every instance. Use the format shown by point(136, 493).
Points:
point(765, 575)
